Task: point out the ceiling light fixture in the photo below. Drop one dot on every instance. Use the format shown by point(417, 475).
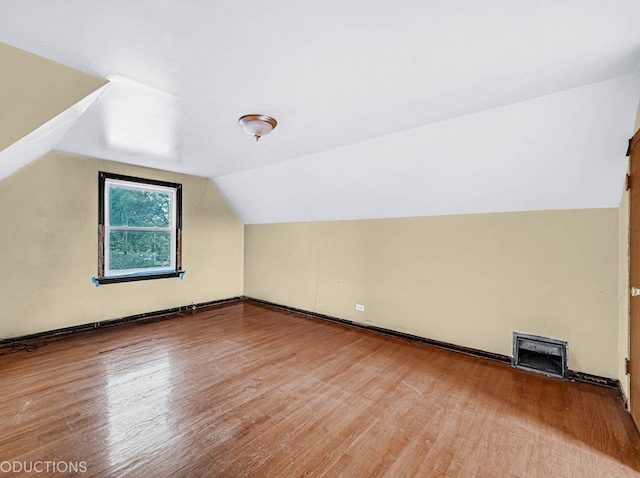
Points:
point(257, 125)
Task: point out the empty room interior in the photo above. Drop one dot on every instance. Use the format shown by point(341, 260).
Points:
point(319, 239)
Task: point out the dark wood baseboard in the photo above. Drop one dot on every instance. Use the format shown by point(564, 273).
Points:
point(573, 375)
point(595, 379)
point(147, 316)
point(389, 332)
point(246, 389)
point(167, 313)
point(623, 395)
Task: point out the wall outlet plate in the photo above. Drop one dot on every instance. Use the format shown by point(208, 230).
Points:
point(360, 307)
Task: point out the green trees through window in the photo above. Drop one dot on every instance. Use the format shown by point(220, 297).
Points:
point(139, 236)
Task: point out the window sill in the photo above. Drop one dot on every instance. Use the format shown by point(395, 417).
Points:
point(139, 277)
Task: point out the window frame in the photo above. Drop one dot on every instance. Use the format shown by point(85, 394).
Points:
point(104, 277)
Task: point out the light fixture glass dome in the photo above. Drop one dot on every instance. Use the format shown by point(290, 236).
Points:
point(257, 125)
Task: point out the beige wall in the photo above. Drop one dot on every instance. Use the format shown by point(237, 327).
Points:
point(49, 217)
point(469, 280)
point(34, 90)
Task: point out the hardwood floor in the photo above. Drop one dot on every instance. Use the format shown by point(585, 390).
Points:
point(247, 390)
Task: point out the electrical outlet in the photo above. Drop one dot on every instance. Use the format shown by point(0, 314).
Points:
point(360, 307)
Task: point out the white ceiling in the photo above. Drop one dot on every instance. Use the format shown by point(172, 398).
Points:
point(385, 108)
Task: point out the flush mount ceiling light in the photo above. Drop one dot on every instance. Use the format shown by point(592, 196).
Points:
point(257, 125)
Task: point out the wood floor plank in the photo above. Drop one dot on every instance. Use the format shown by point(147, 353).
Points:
point(244, 389)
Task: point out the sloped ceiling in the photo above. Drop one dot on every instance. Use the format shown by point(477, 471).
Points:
point(43, 139)
point(39, 101)
point(384, 108)
point(35, 90)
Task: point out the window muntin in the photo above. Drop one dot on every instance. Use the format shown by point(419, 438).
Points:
point(140, 228)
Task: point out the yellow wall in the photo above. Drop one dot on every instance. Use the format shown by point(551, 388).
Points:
point(48, 234)
point(35, 90)
point(469, 280)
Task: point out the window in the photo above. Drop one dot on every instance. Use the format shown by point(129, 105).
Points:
point(140, 229)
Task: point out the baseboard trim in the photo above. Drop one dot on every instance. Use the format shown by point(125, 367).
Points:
point(623, 395)
point(595, 379)
point(167, 313)
point(392, 333)
point(573, 375)
point(147, 316)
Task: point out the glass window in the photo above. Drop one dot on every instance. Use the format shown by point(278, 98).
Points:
point(140, 229)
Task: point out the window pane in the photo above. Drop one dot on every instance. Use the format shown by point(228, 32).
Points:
point(139, 250)
point(138, 208)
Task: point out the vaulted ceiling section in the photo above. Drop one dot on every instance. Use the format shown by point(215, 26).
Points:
point(384, 109)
